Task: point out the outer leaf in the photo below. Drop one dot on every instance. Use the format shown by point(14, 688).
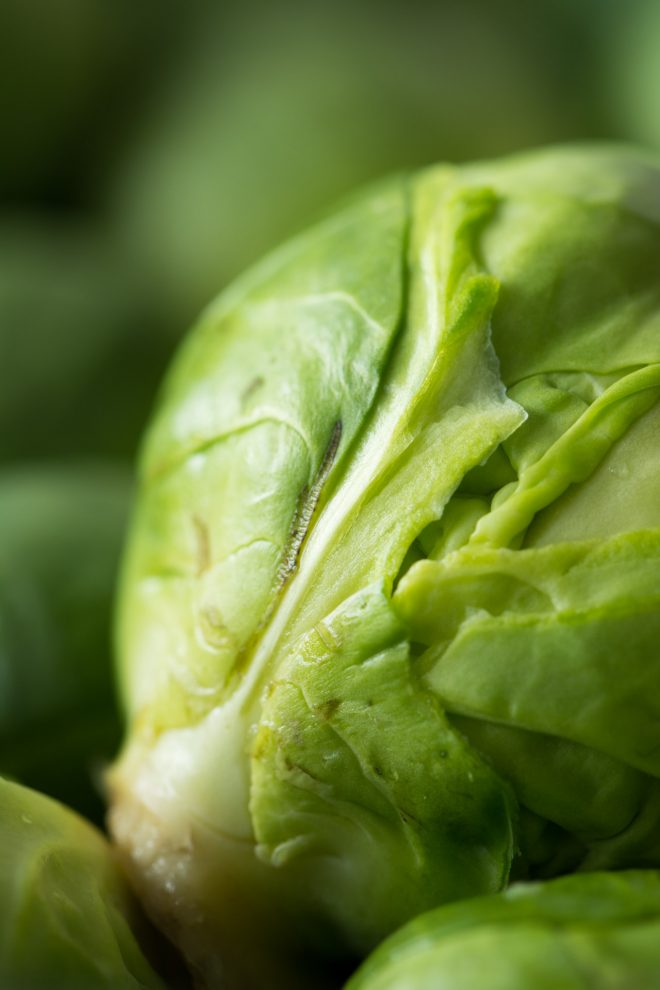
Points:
point(67, 915)
point(597, 932)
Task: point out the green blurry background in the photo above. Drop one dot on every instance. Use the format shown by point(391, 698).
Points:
point(151, 149)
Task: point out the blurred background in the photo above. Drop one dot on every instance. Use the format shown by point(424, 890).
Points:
point(151, 149)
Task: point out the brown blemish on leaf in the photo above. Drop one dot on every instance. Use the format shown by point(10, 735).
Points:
point(328, 708)
point(203, 541)
point(251, 388)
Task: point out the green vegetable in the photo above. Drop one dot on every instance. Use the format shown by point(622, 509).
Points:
point(223, 166)
point(77, 70)
point(389, 615)
point(599, 931)
point(80, 355)
point(68, 918)
point(628, 69)
point(61, 530)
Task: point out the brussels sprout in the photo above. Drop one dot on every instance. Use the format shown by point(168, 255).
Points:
point(390, 609)
point(61, 530)
point(73, 73)
point(275, 109)
point(629, 70)
point(597, 931)
point(68, 918)
point(79, 354)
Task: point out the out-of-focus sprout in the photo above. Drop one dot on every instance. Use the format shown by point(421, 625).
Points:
point(597, 931)
point(279, 108)
point(61, 530)
point(80, 355)
point(72, 74)
point(630, 69)
point(390, 611)
point(68, 918)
